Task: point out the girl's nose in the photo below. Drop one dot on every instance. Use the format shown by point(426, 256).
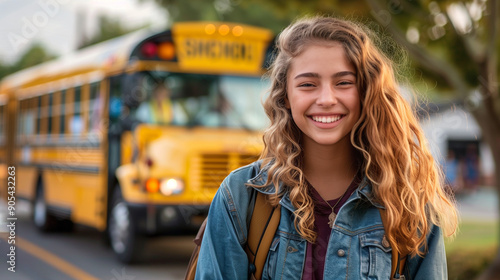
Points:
point(326, 96)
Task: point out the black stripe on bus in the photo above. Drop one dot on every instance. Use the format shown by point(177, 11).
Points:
point(63, 167)
point(86, 143)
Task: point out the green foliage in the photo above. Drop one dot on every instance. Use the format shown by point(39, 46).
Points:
point(473, 235)
point(36, 54)
point(420, 15)
point(473, 249)
point(4, 70)
point(109, 28)
point(33, 56)
point(469, 263)
point(259, 13)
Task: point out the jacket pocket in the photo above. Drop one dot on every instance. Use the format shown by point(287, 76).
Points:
point(375, 255)
point(272, 259)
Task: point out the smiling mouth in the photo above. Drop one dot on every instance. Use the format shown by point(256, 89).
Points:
point(326, 119)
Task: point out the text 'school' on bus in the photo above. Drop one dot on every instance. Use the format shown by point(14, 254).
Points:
point(133, 136)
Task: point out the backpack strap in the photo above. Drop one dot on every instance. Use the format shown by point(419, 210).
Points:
point(191, 268)
point(398, 260)
point(263, 225)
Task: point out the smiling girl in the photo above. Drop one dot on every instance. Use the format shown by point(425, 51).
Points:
point(342, 144)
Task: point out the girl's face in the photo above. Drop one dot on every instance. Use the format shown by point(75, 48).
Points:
point(322, 94)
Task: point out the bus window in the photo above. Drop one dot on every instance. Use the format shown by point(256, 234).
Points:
point(24, 118)
point(94, 108)
point(50, 112)
point(43, 114)
point(38, 105)
point(62, 112)
point(156, 106)
point(200, 100)
point(115, 104)
point(244, 96)
point(22, 110)
point(56, 112)
point(75, 121)
point(2, 121)
point(29, 118)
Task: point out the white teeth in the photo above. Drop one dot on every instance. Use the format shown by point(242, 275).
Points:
point(323, 119)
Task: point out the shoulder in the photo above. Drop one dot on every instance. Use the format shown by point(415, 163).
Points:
point(243, 174)
point(234, 197)
point(236, 183)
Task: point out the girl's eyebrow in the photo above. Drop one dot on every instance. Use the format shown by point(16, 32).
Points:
point(307, 75)
point(343, 73)
point(316, 75)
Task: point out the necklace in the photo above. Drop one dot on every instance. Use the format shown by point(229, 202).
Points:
point(333, 216)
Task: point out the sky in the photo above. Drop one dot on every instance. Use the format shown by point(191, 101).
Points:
point(53, 22)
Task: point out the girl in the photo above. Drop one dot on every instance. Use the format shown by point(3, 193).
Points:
point(342, 144)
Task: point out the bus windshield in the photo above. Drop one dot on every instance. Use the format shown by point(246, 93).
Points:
point(182, 99)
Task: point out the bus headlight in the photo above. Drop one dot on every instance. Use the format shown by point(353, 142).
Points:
point(171, 186)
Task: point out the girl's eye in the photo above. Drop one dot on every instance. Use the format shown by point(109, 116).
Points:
point(345, 83)
point(306, 85)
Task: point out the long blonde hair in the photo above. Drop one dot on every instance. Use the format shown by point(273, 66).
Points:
point(395, 156)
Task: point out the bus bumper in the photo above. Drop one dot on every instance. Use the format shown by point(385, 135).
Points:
point(167, 219)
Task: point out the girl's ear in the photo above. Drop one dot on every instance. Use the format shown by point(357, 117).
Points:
point(287, 103)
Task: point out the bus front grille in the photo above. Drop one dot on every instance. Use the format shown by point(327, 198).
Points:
point(213, 168)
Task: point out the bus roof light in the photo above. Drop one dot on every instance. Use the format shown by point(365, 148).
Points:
point(223, 30)
point(210, 29)
point(237, 31)
point(166, 51)
point(149, 49)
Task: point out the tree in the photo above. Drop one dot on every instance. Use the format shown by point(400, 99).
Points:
point(36, 54)
point(109, 28)
point(470, 30)
point(258, 13)
point(454, 43)
point(4, 70)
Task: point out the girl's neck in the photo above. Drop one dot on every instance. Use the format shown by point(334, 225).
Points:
point(330, 169)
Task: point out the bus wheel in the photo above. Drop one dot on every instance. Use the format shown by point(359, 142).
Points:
point(124, 239)
point(41, 216)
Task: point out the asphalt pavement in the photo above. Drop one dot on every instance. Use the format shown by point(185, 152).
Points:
point(480, 205)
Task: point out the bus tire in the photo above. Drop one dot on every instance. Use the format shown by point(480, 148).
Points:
point(42, 219)
point(125, 241)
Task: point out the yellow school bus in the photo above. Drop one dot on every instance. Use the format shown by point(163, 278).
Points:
point(133, 136)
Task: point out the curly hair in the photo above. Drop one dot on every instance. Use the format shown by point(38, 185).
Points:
point(393, 149)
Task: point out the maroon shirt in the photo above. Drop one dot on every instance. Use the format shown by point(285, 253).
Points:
point(316, 252)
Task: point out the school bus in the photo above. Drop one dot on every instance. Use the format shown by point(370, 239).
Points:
point(134, 135)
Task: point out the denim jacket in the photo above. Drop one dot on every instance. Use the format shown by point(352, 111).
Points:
point(356, 249)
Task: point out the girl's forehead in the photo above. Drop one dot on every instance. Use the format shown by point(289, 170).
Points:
point(323, 51)
point(314, 44)
point(319, 43)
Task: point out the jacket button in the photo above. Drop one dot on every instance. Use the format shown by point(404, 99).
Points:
point(341, 253)
point(385, 243)
point(290, 249)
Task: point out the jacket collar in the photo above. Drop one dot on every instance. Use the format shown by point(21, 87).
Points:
point(364, 190)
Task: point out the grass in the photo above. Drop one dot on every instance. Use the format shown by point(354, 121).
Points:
point(473, 235)
point(472, 250)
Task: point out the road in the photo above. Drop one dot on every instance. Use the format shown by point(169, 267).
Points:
point(83, 255)
point(480, 205)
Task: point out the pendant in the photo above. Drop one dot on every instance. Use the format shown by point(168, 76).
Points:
point(331, 219)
